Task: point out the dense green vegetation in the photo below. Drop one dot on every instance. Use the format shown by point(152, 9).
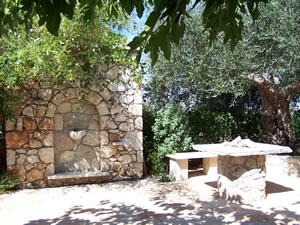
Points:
point(77, 53)
point(226, 94)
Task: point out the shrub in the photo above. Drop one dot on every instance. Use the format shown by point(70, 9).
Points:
point(8, 181)
point(170, 134)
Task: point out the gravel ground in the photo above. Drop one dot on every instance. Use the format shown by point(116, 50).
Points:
point(148, 201)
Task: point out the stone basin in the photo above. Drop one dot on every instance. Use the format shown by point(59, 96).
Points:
point(77, 134)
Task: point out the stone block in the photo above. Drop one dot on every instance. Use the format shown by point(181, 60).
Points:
point(47, 155)
point(34, 175)
point(105, 94)
point(50, 170)
point(20, 124)
point(51, 110)
point(64, 108)
point(107, 123)
point(134, 140)
point(18, 170)
point(16, 139)
point(21, 159)
point(66, 156)
point(10, 157)
point(92, 138)
point(28, 111)
point(63, 142)
point(125, 159)
point(58, 98)
point(46, 124)
point(94, 98)
point(10, 125)
point(139, 123)
point(104, 138)
point(58, 122)
point(115, 109)
point(107, 151)
point(45, 94)
point(29, 124)
point(135, 110)
point(32, 159)
point(120, 118)
point(126, 99)
point(102, 109)
point(49, 140)
point(41, 110)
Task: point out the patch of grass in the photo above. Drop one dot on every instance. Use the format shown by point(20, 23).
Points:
point(7, 181)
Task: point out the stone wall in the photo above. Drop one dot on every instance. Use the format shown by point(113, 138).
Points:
point(38, 141)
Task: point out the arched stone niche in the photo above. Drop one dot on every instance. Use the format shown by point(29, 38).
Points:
point(76, 137)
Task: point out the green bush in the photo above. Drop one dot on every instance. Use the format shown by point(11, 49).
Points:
point(170, 134)
point(7, 181)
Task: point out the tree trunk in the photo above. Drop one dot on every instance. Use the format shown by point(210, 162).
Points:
point(277, 119)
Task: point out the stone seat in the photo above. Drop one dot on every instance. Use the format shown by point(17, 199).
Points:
point(78, 178)
point(178, 163)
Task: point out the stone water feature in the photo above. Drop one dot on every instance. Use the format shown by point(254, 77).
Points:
point(62, 136)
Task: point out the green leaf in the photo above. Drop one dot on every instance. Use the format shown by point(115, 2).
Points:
point(152, 19)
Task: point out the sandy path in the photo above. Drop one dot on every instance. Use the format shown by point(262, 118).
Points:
point(149, 202)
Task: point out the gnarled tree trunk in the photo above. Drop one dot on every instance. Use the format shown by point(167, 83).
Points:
point(276, 102)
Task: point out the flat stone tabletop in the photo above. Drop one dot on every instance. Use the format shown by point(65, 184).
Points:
point(239, 147)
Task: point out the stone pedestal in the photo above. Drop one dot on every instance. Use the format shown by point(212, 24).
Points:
point(242, 178)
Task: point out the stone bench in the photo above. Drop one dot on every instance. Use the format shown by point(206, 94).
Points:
point(179, 163)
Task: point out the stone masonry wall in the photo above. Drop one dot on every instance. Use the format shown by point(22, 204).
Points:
point(113, 141)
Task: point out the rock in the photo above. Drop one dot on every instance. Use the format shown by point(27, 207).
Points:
point(127, 126)
point(134, 140)
point(107, 123)
point(20, 124)
point(34, 175)
point(94, 98)
point(138, 97)
point(120, 118)
point(58, 98)
point(95, 165)
point(63, 142)
point(85, 152)
point(46, 124)
point(49, 140)
point(29, 124)
point(32, 152)
point(92, 138)
point(105, 94)
point(16, 139)
point(140, 157)
point(58, 122)
point(39, 135)
point(47, 155)
point(93, 125)
point(135, 110)
point(28, 111)
point(45, 94)
point(32, 159)
point(21, 159)
point(51, 110)
point(125, 159)
point(105, 165)
point(107, 151)
point(115, 109)
point(67, 156)
point(113, 137)
point(64, 108)
point(126, 99)
point(41, 110)
point(104, 138)
point(10, 125)
point(49, 170)
point(118, 87)
point(116, 166)
point(18, 170)
point(10, 157)
point(102, 109)
point(139, 123)
point(33, 143)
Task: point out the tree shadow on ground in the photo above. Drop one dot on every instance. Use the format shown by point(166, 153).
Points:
point(164, 211)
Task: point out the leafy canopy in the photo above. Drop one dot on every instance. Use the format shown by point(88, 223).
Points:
point(166, 21)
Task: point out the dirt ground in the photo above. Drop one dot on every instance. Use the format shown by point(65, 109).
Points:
point(148, 201)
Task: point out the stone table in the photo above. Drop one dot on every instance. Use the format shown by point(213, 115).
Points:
point(241, 167)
